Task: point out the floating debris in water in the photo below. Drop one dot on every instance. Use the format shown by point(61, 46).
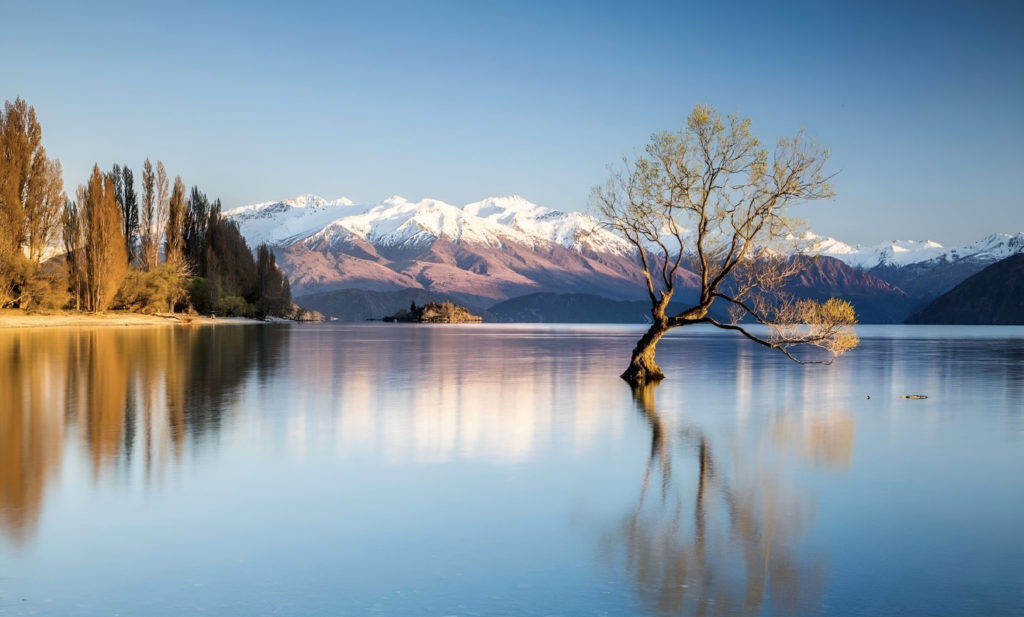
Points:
point(916, 396)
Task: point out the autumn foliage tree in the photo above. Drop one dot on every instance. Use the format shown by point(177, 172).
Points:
point(105, 262)
point(90, 247)
point(43, 206)
point(20, 141)
point(155, 286)
point(74, 255)
point(710, 199)
point(31, 201)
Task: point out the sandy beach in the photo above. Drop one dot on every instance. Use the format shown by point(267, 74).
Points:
point(12, 318)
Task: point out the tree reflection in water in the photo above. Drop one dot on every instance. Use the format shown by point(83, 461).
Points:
point(720, 536)
point(131, 397)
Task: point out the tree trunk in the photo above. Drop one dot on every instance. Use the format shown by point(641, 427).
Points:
point(642, 368)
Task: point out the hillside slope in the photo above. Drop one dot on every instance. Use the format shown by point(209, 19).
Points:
point(994, 296)
point(873, 299)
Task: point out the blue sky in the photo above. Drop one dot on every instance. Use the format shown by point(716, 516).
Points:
point(920, 103)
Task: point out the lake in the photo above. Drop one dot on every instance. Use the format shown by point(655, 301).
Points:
point(342, 469)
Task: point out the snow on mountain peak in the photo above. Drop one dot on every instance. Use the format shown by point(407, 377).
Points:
point(506, 210)
point(895, 253)
point(315, 201)
point(907, 252)
point(993, 247)
point(397, 221)
point(283, 222)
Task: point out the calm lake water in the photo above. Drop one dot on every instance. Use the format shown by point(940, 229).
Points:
point(506, 470)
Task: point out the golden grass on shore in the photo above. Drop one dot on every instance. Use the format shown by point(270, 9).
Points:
point(14, 318)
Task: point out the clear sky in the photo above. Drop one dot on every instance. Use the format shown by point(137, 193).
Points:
point(920, 102)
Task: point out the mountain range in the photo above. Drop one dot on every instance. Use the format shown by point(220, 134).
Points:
point(355, 262)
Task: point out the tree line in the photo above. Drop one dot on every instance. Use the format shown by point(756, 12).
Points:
point(161, 248)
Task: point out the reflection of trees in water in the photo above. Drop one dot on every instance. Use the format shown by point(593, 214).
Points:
point(131, 396)
point(31, 427)
point(716, 536)
point(824, 438)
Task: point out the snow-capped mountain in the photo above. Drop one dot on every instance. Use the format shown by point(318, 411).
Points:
point(990, 248)
point(397, 222)
point(489, 250)
point(504, 247)
point(923, 269)
point(495, 221)
point(909, 252)
point(281, 223)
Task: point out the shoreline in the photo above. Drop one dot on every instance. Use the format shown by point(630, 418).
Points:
point(13, 318)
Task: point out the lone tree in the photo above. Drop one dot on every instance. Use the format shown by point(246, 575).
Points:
point(709, 200)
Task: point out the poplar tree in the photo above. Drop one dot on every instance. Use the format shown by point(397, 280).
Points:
point(196, 223)
point(115, 176)
point(105, 264)
point(31, 195)
point(176, 224)
point(71, 227)
point(43, 204)
point(160, 215)
point(148, 240)
point(129, 212)
point(20, 139)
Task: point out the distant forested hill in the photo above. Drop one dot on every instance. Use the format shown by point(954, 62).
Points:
point(994, 296)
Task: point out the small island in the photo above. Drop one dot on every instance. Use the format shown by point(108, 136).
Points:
point(434, 312)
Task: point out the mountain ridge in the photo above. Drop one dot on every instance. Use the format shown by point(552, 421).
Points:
point(576, 228)
point(500, 248)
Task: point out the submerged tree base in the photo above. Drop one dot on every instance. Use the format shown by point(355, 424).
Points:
point(642, 368)
point(639, 375)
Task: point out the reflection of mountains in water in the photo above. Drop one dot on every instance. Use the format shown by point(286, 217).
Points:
point(131, 397)
point(505, 394)
point(416, 393)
